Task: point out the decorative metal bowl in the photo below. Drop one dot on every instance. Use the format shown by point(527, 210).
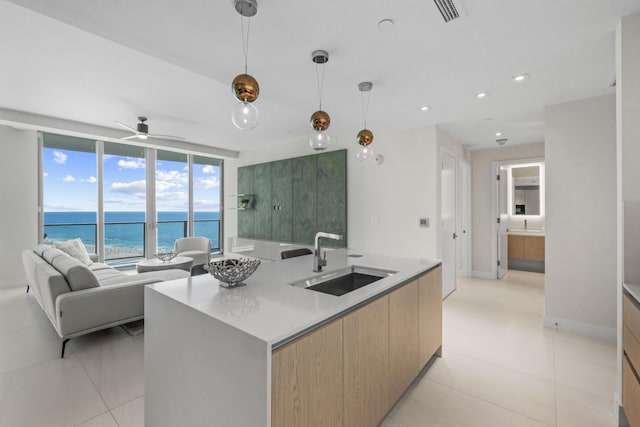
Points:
point(231, 272)
point(165, 256)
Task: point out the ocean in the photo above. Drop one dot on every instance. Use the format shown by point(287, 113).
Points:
point(125, 231)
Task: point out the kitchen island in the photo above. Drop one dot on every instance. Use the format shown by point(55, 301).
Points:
point(274, 354)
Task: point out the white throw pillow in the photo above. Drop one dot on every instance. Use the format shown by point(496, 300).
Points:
point(76, 249)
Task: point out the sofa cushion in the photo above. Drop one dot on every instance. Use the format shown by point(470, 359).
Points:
point(77, 274)
point(107, 274)
point(39, 250)
point(50, 254)
point(76, 249)
point(95, 266)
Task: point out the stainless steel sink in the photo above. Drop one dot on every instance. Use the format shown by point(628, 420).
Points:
point(343, 281)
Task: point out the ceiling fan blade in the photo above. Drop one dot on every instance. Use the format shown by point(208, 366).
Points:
point(129, 137)
point(177, 138)
point(126, 126)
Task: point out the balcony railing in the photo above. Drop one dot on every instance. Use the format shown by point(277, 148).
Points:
point(126, 240)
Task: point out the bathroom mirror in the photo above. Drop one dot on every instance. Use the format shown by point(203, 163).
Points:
point(526, 190)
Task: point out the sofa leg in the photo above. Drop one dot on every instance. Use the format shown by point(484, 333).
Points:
point(64, 344)
point(27, 288)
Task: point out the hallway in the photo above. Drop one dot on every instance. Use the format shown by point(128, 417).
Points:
point(500, 367)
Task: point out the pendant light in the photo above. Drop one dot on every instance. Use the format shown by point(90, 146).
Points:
point(365, 136)
point(320, 119)
point(245, 115)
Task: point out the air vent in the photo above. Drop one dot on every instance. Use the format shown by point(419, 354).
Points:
point(447, 9)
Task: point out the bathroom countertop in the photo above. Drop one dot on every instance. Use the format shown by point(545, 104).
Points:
point(525, 232)
point(634, 291)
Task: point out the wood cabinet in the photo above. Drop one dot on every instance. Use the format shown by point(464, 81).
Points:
point(526, 247)
point(307, 380)
point(245, 218)
point(332, 195)
point(430, 312)
point(631, 360)
point(262, 209)
point(353, 370)
point(366, 364)
point(404, 339)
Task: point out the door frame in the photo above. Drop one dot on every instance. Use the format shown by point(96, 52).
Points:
point(495, 165)
point(445, 151)
point(463, 211)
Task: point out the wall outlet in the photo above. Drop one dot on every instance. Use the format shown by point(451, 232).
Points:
point(423, 222)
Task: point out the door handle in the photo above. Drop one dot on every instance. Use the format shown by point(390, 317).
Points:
point(455, 236)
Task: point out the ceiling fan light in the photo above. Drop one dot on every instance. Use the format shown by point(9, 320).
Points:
point(245, 116)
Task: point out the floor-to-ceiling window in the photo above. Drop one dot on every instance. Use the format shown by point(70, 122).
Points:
point(206, 184)
point(127, 202)
point(172, 198)
point(69, 189)
point(124, 189)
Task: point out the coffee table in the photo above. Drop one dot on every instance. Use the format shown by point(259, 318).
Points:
point(181, 262)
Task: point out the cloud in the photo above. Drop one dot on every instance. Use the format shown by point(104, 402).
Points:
point(208, 183)
point(165, 185)
point(135, 188)
point(132, 163)
point(124, 202)
point(176, 195)
point(59, 157)
point(45, 174)
point(206, 204)
point(176, 176)
point(60, 208)
point(90, 180)
point(208, 169)
point(68, 178)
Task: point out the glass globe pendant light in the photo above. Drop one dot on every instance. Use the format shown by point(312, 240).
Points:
point(365, 136)
point(320, 119)
point(245, 115)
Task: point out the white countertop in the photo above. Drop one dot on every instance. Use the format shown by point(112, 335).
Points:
point(634, 290)
point(269, 309)
point(525, 232)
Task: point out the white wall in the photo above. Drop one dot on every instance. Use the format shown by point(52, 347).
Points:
point(482, 182)
point(628, 153)
point(384, 202)
point(19, 195)
point(580, 285)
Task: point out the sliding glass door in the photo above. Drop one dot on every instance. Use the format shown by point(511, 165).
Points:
point(124, 201)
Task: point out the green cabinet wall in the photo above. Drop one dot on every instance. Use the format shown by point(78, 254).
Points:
point(281, 198)
point(295, 198)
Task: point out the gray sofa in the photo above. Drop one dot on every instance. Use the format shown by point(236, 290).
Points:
point(79, 299)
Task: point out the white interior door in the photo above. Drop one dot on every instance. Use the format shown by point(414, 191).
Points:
point(464, 223)
point(448, 215)
point(503, 222)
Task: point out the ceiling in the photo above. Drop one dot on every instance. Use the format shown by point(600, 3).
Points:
point(96, 61)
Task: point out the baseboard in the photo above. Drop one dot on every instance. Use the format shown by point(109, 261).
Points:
point(483, 274)
point(580, 328)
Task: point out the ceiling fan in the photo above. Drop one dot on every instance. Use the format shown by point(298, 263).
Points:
point(141, 131)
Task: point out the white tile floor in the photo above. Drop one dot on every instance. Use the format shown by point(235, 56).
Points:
point(499, 368)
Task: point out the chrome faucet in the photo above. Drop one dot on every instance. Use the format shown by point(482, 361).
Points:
point(318, 260)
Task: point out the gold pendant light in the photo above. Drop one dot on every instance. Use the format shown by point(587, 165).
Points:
point(365, 136)
point(245, 115)
point(320, 119)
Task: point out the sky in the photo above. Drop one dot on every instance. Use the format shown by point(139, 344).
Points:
point(70, 183)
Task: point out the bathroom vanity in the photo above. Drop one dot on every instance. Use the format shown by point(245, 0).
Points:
point(278, 353)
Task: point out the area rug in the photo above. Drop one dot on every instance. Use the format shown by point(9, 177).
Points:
point(134, 328)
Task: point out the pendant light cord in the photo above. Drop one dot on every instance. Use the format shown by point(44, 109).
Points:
point(365, 109)
point(320, 80)
point(245, 41)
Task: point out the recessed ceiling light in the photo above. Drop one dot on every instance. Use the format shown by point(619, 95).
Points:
point(521, 77)
point(425, 108)
point(498, 133)
point(481, 95)
point(385, 24)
